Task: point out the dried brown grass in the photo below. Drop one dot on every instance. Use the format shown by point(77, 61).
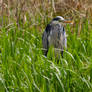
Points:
point(32, 10)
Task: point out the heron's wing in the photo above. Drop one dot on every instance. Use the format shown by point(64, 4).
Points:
point(45, 40)
point(45, 36)
point(45, 43)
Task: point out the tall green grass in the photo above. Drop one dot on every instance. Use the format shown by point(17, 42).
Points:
point(24, 68)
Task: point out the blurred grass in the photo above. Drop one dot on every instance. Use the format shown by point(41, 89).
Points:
point(23, 67)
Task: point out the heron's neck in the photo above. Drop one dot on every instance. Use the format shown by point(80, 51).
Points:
point(55, 22)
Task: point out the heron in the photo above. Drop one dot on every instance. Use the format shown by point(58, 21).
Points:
point(55, 35)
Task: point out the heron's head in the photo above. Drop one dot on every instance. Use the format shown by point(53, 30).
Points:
point(61, 19)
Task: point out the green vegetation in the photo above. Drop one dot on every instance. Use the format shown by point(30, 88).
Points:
point(24, 68)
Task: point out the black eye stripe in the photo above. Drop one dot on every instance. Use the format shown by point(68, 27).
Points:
point(56, 19)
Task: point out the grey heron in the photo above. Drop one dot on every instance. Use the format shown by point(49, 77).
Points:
point(55, 35)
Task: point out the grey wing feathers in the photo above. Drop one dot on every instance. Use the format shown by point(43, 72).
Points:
point(44, 40)
point(45, 43)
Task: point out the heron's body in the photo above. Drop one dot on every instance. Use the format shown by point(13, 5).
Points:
point(54, 35)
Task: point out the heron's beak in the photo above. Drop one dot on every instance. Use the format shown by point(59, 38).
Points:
point(66, 21)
